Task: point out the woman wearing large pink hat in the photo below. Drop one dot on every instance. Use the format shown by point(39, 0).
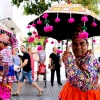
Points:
point(6, 68)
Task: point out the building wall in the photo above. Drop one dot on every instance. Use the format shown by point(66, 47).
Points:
point(7, 10)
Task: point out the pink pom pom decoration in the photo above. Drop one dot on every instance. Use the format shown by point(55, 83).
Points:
point(83, 35)
point(39, 22)
point(94, 41)
point(57, 20)
point(34, 32)
point(52, 42)
point(71, 20)
point(45, 15)
point(39, 37)
point(36, 36)
point(29, 26)
point(39, 48)
point(84, 19)
point(59, 51)
point(94, 24)
point(48, 28)
point(34, 25)
point(46, 40)
point(30, 39)
point(59, 41)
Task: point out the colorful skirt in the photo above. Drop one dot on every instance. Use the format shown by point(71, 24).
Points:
point(6, 83)
point(69, 92)
point(5, 91)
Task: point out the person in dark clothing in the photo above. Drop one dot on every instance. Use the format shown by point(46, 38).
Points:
point(26, 73)
point(55, 63)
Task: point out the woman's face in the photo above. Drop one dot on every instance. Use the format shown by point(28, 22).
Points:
point(79, 46)
point(14, 51)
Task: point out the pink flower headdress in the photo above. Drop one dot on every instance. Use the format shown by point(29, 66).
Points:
point(81, 33)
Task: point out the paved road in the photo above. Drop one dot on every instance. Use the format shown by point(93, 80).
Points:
point(30, 93)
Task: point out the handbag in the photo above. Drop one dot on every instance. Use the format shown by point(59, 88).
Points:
point(15, 68)
point(42, 69)
point(36, 57)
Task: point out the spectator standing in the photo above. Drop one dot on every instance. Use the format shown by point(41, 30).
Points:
point(26, 73)
point(42, 59)
point(6, 68)
point(31, 53)
point(16, 61)
point(55, 64)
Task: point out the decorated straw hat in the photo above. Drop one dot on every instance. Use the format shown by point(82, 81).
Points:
point(4, 38)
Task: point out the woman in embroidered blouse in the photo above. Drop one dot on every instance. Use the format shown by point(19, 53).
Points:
point(6, 69)
point(82, 73)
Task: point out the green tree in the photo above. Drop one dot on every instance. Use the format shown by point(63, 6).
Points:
point(39, 6)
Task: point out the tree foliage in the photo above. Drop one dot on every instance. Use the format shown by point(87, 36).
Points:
point(90, 4)
point(39, 6)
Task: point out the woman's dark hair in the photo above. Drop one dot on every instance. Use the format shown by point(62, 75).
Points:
point(5, 44)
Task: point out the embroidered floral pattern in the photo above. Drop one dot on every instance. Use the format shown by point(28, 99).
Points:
point(83, 72)
point(8, 74)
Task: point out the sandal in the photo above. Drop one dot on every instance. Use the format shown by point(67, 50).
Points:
point(40, 93)
point(14, 94)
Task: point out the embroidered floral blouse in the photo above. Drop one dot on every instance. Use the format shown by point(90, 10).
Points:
point(5, 57)
point(83, 72)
